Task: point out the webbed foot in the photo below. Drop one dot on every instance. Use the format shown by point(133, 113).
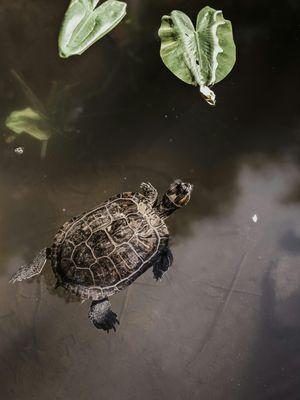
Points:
point(162, 264)
point(102, 316)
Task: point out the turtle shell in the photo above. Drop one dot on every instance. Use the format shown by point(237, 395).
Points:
point(103, 250)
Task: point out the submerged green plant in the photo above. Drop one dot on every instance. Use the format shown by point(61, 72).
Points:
point(30, 122)
point(85, 23)
point(39, 121)
point(201, 56)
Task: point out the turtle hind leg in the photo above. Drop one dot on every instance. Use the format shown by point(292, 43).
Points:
point(163, 263)
point(28, 271)
point(102, 316)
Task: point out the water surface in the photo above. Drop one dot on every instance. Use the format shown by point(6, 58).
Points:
point(214, 327)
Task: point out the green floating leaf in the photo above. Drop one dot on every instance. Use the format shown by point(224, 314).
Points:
point(30, 122)
point(201, 56)
point(85, 23)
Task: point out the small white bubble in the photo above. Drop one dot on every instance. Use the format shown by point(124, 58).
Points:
point(19, 150)
point(166, 115)
point(255, 218)
point(64, 210)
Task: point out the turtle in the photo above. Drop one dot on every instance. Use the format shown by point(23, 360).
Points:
point(102, 251)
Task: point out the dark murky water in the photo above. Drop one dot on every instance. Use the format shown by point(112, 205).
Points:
point(225, 323)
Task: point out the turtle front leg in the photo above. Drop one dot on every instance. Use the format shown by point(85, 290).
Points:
point(163, 263)
point(102, 316)
point(150, 192)
point(28, 271)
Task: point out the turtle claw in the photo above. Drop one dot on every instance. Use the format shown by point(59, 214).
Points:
point(109, 322)
point(158, 276)
point(159, 273)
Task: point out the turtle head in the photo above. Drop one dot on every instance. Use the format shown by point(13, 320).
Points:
point(177, 196)
point(179, 193)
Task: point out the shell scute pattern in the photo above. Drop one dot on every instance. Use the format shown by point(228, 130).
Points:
point(163, 232)
point(79, 233)
point(121, 265)
point(60, 235)
point(119, 231)
point(100, 243)
point(154, 220)
point(143, 247)
point(67, 249)
point(98, 219)
point(105, 273)
point(71, 273)
point(121, 207)
point(83, 276)
point(109, 246)
point(135, 221)
point(126, 259)
point(125, 195)
point(83, 256)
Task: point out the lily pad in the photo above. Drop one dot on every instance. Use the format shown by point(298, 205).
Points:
point(202, 56)
point(85, 23)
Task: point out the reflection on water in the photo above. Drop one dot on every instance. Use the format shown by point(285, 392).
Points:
point(209, 329)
